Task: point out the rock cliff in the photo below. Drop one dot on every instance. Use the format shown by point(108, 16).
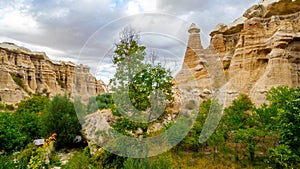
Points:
point(24, 72)
point(259, 50)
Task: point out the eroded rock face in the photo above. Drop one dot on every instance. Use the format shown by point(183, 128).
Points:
point(262, 48)
point(39, 74)
point(265, 53)
point(201, 73)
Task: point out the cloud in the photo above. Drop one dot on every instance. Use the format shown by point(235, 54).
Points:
point(66, 28)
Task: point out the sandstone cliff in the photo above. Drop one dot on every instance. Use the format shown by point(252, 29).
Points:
point(24, 72)
point(259, 50)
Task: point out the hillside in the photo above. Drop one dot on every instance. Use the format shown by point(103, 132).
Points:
point(24, 73)
point(258, 51)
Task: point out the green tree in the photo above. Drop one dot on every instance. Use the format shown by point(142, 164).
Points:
point(36, 104)
point(140, 91)
point(10, 136)
point(209, 113)
point(129, 56)
point(286, 103)
point(61, 118)
point(153, 81)
point(238, 115)
point(283, 157)
point(240, 123)
point(28, 115)
point(102, 101)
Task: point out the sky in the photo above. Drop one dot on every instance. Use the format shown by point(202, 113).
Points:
point(85, 31)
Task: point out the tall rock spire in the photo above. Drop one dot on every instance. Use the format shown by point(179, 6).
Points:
point(194, 52)
point(193, 64)
point(194, 38)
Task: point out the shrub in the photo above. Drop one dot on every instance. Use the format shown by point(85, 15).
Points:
point(10, 107)
point(18, 81)
point(2, 106)
point(106, 160)
point(27, 152)
point(61, 118)
point(7, 162)
point(28, 115)
point(226, 65)
point(79, 160)
point(282, 156)
point(102, 101)
point(10, 136)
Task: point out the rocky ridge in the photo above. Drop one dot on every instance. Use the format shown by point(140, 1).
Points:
point(259, 50)
point(23, 73)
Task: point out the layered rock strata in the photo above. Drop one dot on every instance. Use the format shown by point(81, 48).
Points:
point(258, 51)
point(23, 73)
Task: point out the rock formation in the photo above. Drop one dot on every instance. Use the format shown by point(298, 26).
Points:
point(258, 51)
point(202, 72)
point(24, 72)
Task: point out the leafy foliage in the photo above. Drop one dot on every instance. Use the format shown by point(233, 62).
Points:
point(209, 107)
point(285, 103)
point(152, 80)
point(106, 160)
point(102, 101)
point(18, 81)
point(36, 104)
point(128, 58)
point(28, 115)
point(124, 125)
point(61, 118)
point(7, 161)
point(283, 157)
point(79, 160)
point(140, 90)
point(10, 136)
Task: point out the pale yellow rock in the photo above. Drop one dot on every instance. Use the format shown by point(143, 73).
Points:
point(262, 48)
point(39, 74)
point(265, 52)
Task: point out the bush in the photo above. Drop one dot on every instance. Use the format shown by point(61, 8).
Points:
point(282, 157)
point(79, 160)
point(106, 160)
point(61, 118)
point(226, 65)
point(18, 81)
point(102, 101)
point(7, 162)
point(10, 136)
point(35, 104)
point(2, 106)
point(27, 152)
point(10, 107)
point(28, 116)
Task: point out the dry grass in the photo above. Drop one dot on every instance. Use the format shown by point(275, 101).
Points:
point(189, 160)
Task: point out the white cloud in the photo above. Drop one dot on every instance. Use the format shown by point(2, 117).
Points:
point(16, 20)
point(133, 8)
point(148, 6)
point(61, 27)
